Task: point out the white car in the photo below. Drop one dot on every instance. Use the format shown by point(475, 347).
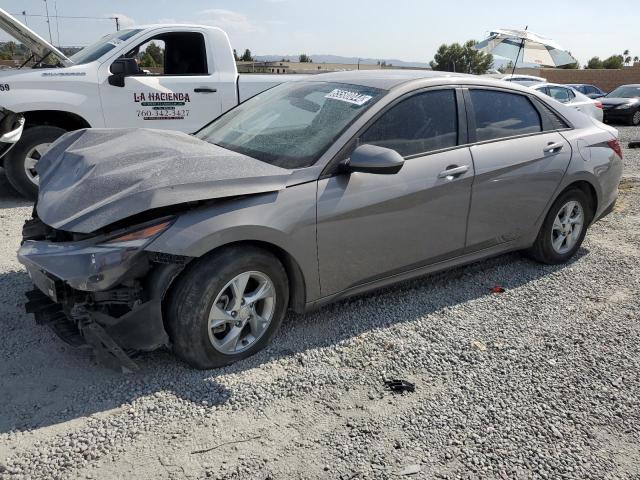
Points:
point(572, 98)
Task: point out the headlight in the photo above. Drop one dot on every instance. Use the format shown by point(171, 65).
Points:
point(138, 238)
point(624, 107)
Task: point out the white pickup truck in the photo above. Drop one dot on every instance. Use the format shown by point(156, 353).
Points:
point(102, 86)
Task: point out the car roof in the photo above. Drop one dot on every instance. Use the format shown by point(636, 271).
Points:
point(389, 79)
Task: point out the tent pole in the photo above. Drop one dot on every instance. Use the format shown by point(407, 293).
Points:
point(518, 55)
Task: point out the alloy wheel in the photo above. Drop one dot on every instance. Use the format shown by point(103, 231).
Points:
point(241, 312)
point(636, 118)
point(567, 227)
point(31, 160)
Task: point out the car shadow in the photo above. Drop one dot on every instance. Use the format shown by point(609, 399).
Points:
point(44, 382)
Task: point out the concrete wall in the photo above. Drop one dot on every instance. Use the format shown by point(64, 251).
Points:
point(607, 80)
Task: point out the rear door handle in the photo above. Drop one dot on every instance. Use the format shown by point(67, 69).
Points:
point(205, 90)
point(453, 171)
point(552, 148)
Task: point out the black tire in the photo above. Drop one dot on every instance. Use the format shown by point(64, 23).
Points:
point(192, 297)
point(14, 163)
point(634, 119)
point(542, 250)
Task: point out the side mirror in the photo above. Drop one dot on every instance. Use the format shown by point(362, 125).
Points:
point(121, 68)
point(374, 159)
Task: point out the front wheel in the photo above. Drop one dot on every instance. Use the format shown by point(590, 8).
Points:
point(227, 306)
point(564, 228)
point(21, 161)
point(635, 119)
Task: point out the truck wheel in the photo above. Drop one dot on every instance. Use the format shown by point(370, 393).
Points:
point(563, 229)
point(23, 157)
point(227, 306)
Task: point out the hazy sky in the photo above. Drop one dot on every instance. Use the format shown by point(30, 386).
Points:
point(402, 29)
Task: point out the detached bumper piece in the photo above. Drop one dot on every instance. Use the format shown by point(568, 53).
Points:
point(83, 334)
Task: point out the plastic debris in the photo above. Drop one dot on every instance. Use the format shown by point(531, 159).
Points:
point(497, 289)
point(400, 386)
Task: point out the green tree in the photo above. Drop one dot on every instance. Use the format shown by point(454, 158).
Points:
point(11, 48)
point(594, 63)
point(613, 62)
point(304, 58)
point(508, 68)
point(156, 53)
point(246, 56)
point(235, 55)
point(461, 58)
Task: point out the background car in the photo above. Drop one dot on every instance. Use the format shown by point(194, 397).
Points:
point(572, 98)
point(590, 91)
point(623, 105)
point(525, 80)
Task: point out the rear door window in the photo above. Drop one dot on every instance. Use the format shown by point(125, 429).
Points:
point(502, 114)
point(561, 94)
point(420, 124)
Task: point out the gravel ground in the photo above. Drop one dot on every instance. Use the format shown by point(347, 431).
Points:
point(538, 382)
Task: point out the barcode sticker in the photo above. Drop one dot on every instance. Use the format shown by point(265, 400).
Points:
point(349, 97)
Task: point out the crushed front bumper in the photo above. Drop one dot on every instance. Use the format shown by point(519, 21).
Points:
point(105, 298)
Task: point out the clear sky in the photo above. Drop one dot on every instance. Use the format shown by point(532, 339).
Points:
point(402, 29)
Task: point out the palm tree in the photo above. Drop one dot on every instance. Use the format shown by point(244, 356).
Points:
point(636, 59)
point(625, 57)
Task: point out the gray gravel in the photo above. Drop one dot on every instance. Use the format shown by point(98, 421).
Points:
point(538, 382)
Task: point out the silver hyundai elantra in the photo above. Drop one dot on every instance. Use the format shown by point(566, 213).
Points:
point(305, 194)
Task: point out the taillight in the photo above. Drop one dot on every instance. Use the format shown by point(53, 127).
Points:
point(615, 146)
point(599, 105)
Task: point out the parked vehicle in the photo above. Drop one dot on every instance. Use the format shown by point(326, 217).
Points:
point(518, 78)
point(571, 98)
point(102, 86)
point(303, 195)
point(623, 105)
point(590, 91)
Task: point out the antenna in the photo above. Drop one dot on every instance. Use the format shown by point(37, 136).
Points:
point(48, 21)
point(55, 4)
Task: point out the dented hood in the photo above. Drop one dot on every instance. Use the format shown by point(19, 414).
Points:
point(92, 178)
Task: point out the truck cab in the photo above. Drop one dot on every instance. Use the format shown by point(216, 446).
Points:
point(102, 86)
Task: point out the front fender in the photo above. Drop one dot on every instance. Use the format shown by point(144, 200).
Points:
point(284, 219)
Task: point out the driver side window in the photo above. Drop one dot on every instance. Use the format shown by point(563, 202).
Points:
point(420, 124)
point(175, 53)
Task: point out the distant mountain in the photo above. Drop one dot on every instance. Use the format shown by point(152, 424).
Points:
point(339, 59)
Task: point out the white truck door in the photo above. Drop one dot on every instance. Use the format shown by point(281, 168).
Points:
point(175, 89)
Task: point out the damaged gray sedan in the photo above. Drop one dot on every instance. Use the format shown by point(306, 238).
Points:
point(310, 192)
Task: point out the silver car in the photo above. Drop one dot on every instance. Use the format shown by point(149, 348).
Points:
point(305, 194)
point(572, 98)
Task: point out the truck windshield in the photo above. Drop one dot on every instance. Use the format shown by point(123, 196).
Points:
point(293, 124)
point(102, 46)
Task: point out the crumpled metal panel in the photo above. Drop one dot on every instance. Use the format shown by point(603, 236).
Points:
point(94, 177)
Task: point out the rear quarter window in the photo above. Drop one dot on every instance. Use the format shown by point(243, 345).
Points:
point(502, 114)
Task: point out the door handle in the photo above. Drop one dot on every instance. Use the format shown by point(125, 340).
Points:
point(453, 171)
point(205, 90)
point(552, 148)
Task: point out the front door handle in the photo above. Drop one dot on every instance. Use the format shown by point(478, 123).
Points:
point(453, 171)
point(205, 90)
point(552, 148)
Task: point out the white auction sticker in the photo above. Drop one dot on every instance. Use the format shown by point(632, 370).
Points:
point(349, 97)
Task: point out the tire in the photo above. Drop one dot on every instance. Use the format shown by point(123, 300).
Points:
point(16, 158)
point(192, 298)
point(543, 250)
point(635, 118)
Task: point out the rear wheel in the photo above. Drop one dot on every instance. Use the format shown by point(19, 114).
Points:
point(564, 228)
point(635, 119)
point(24, 156)
point(227, 306)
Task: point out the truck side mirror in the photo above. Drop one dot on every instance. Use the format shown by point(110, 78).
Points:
point(121, 68)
